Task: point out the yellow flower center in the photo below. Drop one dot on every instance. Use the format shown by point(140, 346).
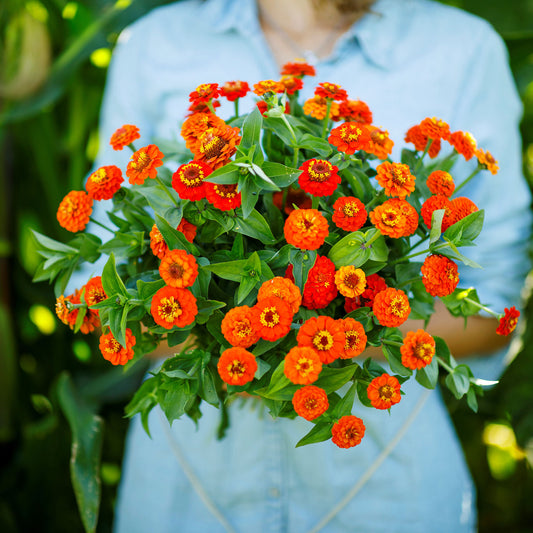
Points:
point(310, 403)
point(211, 145)
point(304, 366)
point(191, 175)
point(323, 340)
point(269, 317)
point(352, 340)
point(236, 369)
point(99, 176)
point(424, 351)
point(350, 134)
point(226, 191)
point(350, 209)
point(320, 170)
point(386, 392)
point(114, 346)
point(243, 329)
point(169, 309)
point(141, 162)
point(398, 176)
point(398, 306)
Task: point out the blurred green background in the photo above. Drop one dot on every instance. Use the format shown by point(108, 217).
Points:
point(54, 56)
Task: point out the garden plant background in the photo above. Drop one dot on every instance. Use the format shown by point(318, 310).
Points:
point(53, 63)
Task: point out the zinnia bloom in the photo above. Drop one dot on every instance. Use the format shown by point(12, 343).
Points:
point(282, 288)
point(204, 93)
point(310, 402)
point(418, 349)
point(384, 391)
point(302, 365)
point(172, 306)
point(355, 111)
point(306, 229)
point(350, 281)
point(349, 213)
point(396, 179)
point(298, 68)
point(194, 126)
point(374, 284)
point(217, 145)
point(462, 207)
point(272, 318)
point(486, 160)
point(320, 289)
point(508, 321)
point(237, 366)
point(291, 84)
point(90, 320)
point(464, 144)
point(350, 137)
point(62, 308)
point(74, 211)
point(224, 197)
point(380, 143)
point(202, 107)
point(237, 327)
point(439, 275)
point(188, 180)
point(124, 136)
point(395, 218)
point(348, 431)
point(317, 107)
point(434, 203)
point(391, 307)
point(355, 338)
point(94, 292)
point(325, 335)
point(103, 183)
point(143, 164)
point(268, 86)
point(113, 351)
point(331, 90)
point(263, 107)
point(234, 89)
point(441, 182)
point(434, 128)
point(178, 269)
point(414, 135)
point(319, 177)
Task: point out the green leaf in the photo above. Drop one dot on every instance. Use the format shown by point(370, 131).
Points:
point(175, 239)
point(394, 358)
point(281, 175)
point(350, 250)
point(226, 175)
point(467, 229)
point(176, 398)
point(458, 381)
point(88, 246)
point(250, 195)
point(458, 306)
point(161, 204)
point(379, 250)
point(302, 262)
point(436, 225)
point(428, 375)
point(262, 179)
point(332, 379)
point(321, 431)
point(208, 391)
point(280, 129)
point(344, 406)
point(87, 438)
point(111, 281)
point(51, 244)
point(251, 129)
point(471, 399)
point(250, 277)
point(231, 270)
point(147, 289)
point(316, 144)
point(254, 226)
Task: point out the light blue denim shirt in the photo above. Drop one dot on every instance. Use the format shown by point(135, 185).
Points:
point(407, 60)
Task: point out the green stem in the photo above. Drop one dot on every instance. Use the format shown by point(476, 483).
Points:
point(418, 243)
point(374, 200)
point(444, 365)
point(236, 106)
point(481, 306)
point(165, 188)
point(101, 225)
point(392, 343)
point(375, 237)
point(478, 168)
point(286, 122)
point(326, 118)
point(407, 257)
point(132, 147)
point(426, 150)
point(210, 106)
point(315, 201)
point(296, 153)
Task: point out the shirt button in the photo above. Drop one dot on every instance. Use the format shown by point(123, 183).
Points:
point(274, 492)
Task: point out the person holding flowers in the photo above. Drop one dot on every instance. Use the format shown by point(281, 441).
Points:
point(404, 472)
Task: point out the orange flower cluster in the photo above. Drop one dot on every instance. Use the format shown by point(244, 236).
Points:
point(94, 292)
point(331, 90)
point(417, 350)
point(349, 213)
point(396, 179)
point(434, 203)
point(173, 307)
point(348, 431)
point(508, 321)
point(350, 137)
point(113, 351)
point(440, 275)
point(103, 183)
point(325, 335)
point(237, 366)
point(298, 69)
point(391, 307)
point(237, 327)
point(310, 402)
point(462, 207)
point(395, 218)
point(414, 135)
point(159, 246)
point(188, 180)
point(234, 89)
point(355, 111)
point(306, 229)
point(302, 365)
point(268, 86)
point(350, 281)
point(374, 284)
point(294, 196)
point(124, 136)
point(223, 197)
point(272, 318)
point(464, 144)
point(486, 160)
point(355, 338)
point(281, 288)
point(68, 307)
point(380, 144)
point(440, 182)
point(179, 269)
point(195, 126)
point(319, 177)
point(292, 84)
point(143, 164)
point(204, 93)
point(216, 145)
point(384, 391)
point(317, 107)
point(434, 128)
point(74, 211)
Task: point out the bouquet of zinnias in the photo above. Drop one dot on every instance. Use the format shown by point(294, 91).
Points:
point(275, 256)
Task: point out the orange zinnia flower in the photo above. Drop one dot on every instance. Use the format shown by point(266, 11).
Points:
point(94, 292)
point(418, 349)
point(439, 275)
point(281, 288)
point(508, 321)
point(348, 431)
point(298, 68)
point(325, 335)
point(320, 289)
point(143, 164)
point(462, 207)
point(384, 391)
point(188, 180)
point(302, 365)
point(434, 128)
point(486, 160)
point(349, 213)
point(374, 284)
point(350, 137)
point(291, 84)
point(317, 107)
point(355, 338)
point(237, 366)
point(396, 179)
point(204, 93)
point(194, 126)
point(331, 90)
point(234, 89)
point(463, 143)
point(355, 111)
point(440, 182)
point(90, 320)
point(62, 308)
point(178, 269)
point(124, 136)
point(237, 327)
point(391, 307)
point(272, 318)
point(414, 135)
point(75, 210)
point(306, 229)
point(395, 218)
point(380, 143)
point(268, 86)
point(297, 197)
point(310, 402)
point(113, 351)
point(103, 183)
point(433, 203)
point(188, 229)
point(173, 307)
point(319, 177)
point(217, 145)
point(202, 107)
point(224, 197)
point(350, 281)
